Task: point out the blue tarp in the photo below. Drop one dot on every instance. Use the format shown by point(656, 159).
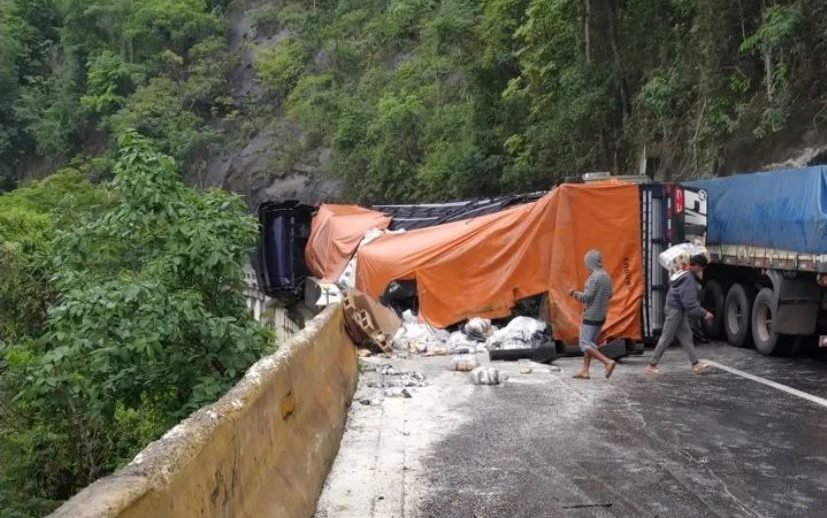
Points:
point(785, 210)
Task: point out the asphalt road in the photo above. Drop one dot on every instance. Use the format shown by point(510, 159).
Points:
point(545, 444)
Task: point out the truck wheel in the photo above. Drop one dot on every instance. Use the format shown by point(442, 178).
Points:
point(712, 300)
point(764, 310)
point(738, 315)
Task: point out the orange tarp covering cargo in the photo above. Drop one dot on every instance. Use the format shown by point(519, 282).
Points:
point(481, 266)
point(335, 233)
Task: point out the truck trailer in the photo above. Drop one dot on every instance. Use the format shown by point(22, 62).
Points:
point(668, 214)
point(767, 235)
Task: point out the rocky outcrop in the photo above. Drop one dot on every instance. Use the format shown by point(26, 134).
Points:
point(271, 161)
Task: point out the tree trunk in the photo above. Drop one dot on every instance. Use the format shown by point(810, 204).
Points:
point(696, 135)
point(586, 31)
point(741, 19)
point(768, 60)
point(620, 73)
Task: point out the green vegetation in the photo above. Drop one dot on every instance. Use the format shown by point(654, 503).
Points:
point(417, 99)
point(121, 313)
point(422, 99)
point(75, 72)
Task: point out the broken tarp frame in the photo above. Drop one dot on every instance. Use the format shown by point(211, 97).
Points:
point(482, 266)
point(422, 215)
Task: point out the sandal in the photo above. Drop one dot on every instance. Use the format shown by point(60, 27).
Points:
point(610, 368)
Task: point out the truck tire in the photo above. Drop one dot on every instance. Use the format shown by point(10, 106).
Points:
point(764, 310)
point(737, 317)
point(712, 300)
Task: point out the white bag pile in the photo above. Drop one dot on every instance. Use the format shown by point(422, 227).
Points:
point(478, 329)
point(520, 333)
point(418, 337)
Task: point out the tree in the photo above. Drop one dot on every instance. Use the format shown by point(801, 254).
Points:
point(147, 323)
point(30, 217)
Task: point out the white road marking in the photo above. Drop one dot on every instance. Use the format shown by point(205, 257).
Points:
point(778, 386)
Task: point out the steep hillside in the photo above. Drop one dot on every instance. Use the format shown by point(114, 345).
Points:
point(412, 99)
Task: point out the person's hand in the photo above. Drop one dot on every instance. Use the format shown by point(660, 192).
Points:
point(709, 316)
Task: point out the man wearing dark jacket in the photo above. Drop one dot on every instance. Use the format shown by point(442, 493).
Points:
point(681, 305)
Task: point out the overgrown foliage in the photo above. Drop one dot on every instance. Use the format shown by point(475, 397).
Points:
point(135, 319)
point(75, 72)
point(30, 217)
point(422, 99)
point(416, 99)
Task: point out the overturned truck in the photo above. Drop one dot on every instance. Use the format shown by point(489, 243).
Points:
point(481, 258)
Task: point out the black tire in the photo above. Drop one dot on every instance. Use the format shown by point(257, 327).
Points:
point(737, 317)
point(764, 311)
point(712, 300)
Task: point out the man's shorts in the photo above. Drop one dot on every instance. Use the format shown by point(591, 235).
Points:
point(588, 336)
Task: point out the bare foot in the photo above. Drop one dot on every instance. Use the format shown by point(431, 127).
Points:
point(651, 369)
point(700, 368)
point(582, 376)
point(610, 368)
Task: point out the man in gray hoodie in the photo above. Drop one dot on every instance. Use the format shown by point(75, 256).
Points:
point(595, 298)
point(681, 305)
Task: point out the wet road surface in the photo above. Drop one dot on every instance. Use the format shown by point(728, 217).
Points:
point(678, 445)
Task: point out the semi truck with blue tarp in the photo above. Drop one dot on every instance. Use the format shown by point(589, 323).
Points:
point(767, 236)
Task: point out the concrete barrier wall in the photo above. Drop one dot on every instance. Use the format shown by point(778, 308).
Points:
point(264, 449)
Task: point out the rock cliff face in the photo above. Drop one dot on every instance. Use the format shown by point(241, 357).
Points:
point(269, 158)
point(257, 169)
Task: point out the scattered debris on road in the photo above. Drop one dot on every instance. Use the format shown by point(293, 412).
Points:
point(398, 393)
point(390, 377)
point(464, 363)
point(488, 376)
point(385, 380)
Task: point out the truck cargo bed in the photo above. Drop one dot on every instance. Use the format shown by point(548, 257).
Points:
point(763, 219)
